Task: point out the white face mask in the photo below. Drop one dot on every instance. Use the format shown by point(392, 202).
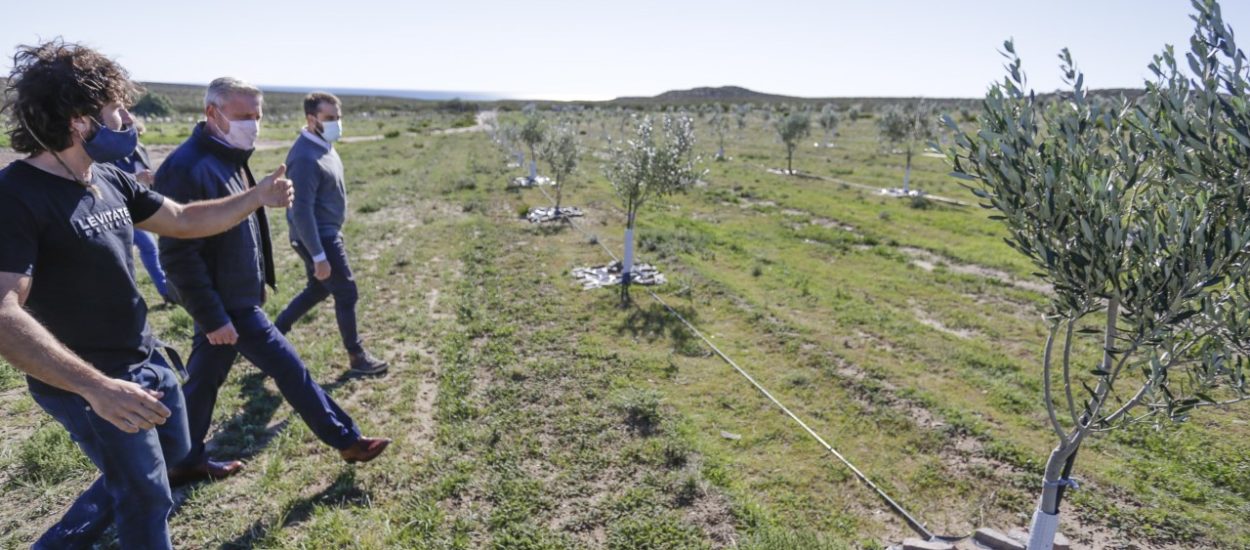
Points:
point(331, 130)
point(242, 134)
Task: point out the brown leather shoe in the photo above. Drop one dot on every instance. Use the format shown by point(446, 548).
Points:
point(208, 470)
point(364, 449)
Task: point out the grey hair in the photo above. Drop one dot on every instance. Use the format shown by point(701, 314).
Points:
point(219, 90)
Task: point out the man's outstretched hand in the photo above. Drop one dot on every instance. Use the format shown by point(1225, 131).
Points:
point(275, 190)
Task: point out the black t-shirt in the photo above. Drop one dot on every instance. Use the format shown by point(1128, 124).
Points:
point(77, 249)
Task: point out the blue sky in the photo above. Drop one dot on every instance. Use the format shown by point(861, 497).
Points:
point(599, 50)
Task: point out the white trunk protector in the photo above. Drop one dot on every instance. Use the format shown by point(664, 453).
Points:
point(627, 266)
point(1042, 531)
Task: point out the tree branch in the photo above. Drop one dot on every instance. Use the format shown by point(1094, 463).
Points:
point(1050, 403)
point(1067, 373)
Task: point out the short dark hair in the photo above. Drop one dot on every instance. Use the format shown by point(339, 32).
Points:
point(55, 82)
point(313, 101)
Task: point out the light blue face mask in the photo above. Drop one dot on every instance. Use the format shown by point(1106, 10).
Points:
point(331, 130)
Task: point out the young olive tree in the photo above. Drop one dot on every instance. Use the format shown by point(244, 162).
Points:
point(741, 112)
point(653, 162)
point(510, 140)
point(720, 126)
point(1139, 216)
point(491, 126)
point(532, 133)
point(561, 151)
point(910, 127)
point(793, 128)
point(829, 120)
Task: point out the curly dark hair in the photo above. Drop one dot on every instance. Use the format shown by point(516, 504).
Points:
point(55, 82)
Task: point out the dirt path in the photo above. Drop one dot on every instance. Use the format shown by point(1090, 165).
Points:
point(483, 118)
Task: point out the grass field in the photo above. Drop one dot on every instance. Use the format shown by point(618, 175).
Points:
point(528, 413)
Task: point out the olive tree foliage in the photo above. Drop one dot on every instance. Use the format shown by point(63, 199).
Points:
point(909, 127)
point(792, 129)
point(510, 140)
point(152, 104)
point(1138, 213)
point(562, 152)
point(741, 112)
point(855, 112)
point(653, 161)
point(829, 120)
point(532, 133)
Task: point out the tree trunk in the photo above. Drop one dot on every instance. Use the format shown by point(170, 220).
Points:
point(1059, 465)
point(907, 174)
point(790, 161)
point(1046, 518)
point(559, 193)
point(627, 263)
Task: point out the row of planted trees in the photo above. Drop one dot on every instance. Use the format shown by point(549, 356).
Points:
point(903, 127)
point(1137, 212)
point(655, 157)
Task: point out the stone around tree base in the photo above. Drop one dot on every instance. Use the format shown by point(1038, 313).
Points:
point(918, 544)
point(1022, 535)
point(898, 192)
point(525, 181)
point(996, 540)
point(549, 214)
point(609, 275)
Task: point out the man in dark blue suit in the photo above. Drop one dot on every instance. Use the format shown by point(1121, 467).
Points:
point(221, 281)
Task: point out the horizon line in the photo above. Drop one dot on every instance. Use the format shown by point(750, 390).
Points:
point(498, 96)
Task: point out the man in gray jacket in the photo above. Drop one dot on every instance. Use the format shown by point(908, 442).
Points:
point(316, 223)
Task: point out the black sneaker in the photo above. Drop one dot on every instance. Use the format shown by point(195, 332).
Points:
point(363, 363)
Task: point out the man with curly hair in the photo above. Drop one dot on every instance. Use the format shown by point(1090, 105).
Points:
point(71, 317)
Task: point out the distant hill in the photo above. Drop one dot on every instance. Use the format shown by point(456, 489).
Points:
point(738, 94)
point(708, 93)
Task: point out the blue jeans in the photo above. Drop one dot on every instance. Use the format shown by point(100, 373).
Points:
point(132, 490)
point(266, 348)
point(151, 261)
point(341, 285)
